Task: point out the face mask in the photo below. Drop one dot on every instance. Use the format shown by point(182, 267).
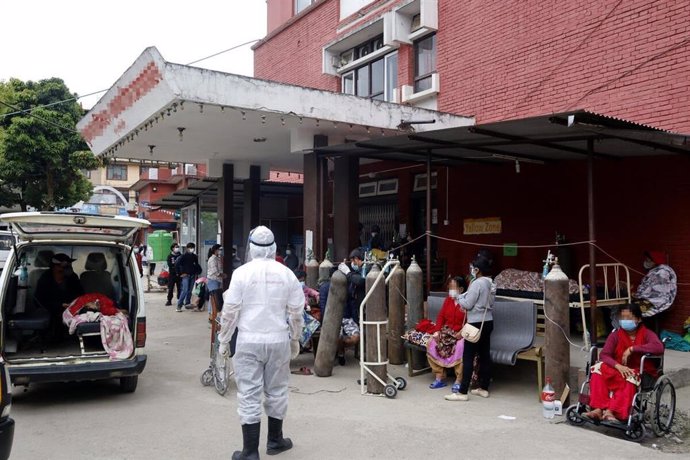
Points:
point(190, 250)
point(373, 234)
point(648, 265)
point(136, 250)
point(355, 267)
point(288, 252)
point(452, 293)
point(176, 250)
point(302, 283)
point(474, 271)
point(628, 324)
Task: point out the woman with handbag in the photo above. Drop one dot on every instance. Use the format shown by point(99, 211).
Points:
point(477, 302)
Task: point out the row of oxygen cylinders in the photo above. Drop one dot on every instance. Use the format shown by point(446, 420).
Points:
point(404, 287)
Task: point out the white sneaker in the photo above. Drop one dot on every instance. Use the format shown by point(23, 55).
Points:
point(456, 397)
point(480, 392)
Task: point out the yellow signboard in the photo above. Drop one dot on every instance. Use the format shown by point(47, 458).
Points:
point(484, 226)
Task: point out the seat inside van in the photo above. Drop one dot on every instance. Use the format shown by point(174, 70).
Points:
point(96, 278)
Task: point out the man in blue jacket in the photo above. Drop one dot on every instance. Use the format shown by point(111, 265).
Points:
point(187, 268)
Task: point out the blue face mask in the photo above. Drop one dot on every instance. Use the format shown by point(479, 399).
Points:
point(628, 324)
point(355, 268)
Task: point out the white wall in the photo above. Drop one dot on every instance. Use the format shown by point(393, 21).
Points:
point(347, 7)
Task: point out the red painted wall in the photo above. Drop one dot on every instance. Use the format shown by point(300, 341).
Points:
point(510, 59)
point(279, 12)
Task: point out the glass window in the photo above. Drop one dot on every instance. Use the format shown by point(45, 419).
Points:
point(348, 83)
point(378, 78)
point(391, 75)
point(116, 172)
point(363, 81)
point(302, 4)
point(425, 62)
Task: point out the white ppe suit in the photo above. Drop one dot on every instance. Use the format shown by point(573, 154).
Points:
point(265, 302)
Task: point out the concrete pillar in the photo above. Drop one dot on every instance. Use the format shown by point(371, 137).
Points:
point(557, 348)
point(252, 189)
point(225, 217)
point(314, 179)
point(346, 214)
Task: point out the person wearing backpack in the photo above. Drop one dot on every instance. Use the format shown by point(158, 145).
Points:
point(187, 268)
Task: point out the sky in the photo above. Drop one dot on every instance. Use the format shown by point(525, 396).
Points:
point(90, 43)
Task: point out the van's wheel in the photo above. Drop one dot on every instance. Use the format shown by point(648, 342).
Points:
point(129, 384)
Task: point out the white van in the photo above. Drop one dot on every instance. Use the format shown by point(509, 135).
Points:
point(34, 341)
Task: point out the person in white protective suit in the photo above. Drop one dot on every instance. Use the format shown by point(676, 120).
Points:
point(265, 302)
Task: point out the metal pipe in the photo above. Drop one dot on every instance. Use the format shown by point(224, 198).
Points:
point(428, 221)
point(592, 237)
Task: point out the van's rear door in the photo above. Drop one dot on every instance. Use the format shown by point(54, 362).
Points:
point(42, 226)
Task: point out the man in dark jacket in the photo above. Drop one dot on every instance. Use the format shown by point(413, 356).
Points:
point(173, 277)
point(187, 268)
point(349, 332)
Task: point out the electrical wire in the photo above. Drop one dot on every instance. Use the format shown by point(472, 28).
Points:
point(66, 128)
point(297, 391)
point(52, 103)
point(526, 246)
point(224, 51)
point(17, 111)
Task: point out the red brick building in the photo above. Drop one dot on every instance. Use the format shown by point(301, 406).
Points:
point(506, 60)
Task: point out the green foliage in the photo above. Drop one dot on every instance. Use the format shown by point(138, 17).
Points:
point(41, 154)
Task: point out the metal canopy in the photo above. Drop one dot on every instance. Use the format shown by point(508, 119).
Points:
point(207, 190)
point(545, 138)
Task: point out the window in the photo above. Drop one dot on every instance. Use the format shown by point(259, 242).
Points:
point(302, 4)
point(116, 172)
point(376, 79)
point(86, 173)
point(425, 62)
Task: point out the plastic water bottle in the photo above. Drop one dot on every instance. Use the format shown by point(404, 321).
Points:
point(548, 396)
point(22, 287)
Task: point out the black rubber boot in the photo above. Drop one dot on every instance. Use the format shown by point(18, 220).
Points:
point(276, 442)
point(250, 439)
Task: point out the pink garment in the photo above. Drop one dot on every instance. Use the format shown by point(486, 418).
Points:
point(116, 337)
point(73, 321)
point(452, 360)
point(115, 334)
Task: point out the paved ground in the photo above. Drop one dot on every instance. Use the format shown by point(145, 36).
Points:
point(171, 416)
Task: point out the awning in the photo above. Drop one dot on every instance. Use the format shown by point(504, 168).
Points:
point(159, 110)
point(561, 136)
point(207, 188)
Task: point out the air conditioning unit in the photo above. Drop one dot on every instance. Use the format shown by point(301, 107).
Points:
point(190, 169)
point(347, 57)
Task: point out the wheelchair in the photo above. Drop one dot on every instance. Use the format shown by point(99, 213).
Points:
point(654, 403)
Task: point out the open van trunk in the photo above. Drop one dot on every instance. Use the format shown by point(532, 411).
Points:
point(33, 327)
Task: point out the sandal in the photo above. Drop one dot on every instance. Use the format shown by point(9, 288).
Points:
point(609, 417)
point(594, 414)
point(436, 384)
point(302, 371)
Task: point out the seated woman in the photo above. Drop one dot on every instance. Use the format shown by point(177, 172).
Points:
point(615, 377)
point(444, 350)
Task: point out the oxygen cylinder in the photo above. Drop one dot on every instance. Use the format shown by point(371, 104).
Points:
point(396, 316)
point(415, 295)
point(325, 269)
point(331, 322)
point(375, 335)
point(312, 269)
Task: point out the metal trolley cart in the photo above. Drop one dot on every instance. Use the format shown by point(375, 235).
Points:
point(390, 390)
point(220, 368)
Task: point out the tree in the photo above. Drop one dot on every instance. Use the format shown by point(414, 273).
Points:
point(42, 156)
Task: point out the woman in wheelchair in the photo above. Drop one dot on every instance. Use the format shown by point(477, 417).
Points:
point(615, 378)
